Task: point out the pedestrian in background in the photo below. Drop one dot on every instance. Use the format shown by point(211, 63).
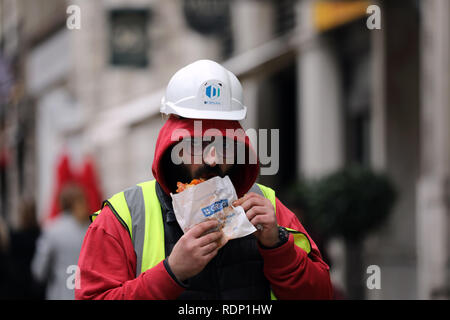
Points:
point(21, 246)
point(59, 245)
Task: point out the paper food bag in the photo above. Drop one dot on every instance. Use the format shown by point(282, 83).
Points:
point(212, 199)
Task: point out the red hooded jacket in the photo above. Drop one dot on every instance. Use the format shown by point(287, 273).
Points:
point(107, 260)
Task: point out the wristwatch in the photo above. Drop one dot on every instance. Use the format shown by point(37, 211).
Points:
point(283, 236)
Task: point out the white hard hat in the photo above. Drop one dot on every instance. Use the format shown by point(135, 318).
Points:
point(204, 90)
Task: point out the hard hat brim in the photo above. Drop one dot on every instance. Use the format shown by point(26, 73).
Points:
point(170, 108)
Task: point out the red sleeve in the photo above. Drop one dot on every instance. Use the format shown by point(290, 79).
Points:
point(107, 266)
point(292, 272)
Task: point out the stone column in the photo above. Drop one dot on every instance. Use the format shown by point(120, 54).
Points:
point(252, 24)
point(320, 115)
point(433, 248)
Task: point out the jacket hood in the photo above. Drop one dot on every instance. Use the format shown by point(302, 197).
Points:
point(243, 176)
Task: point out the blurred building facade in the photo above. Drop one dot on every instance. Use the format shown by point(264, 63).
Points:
point(339, 93)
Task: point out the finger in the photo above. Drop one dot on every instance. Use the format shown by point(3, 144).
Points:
point(263, 220)
point(248, 197)
point(238, 202)
point(198, 230)
point(256, 210)
point(251, 202)
point(245, 197)
point(209, 248)
point(211, 255)
point(210, 237)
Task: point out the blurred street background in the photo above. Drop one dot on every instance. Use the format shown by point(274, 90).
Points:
point(363, 112)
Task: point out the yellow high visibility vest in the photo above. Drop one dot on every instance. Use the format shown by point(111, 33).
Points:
point(138, 209)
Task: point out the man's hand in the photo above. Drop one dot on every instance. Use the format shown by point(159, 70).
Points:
point(195, 249)
point(261, 214)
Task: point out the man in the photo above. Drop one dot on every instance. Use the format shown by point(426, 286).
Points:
point(135, 248)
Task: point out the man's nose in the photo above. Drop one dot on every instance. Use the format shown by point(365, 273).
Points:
point(210, 156)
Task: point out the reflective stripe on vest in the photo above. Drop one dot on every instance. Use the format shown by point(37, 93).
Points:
point(139, 211)
point(300, 239)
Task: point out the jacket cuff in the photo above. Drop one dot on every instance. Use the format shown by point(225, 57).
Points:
point(172, 275)
point(281, 256)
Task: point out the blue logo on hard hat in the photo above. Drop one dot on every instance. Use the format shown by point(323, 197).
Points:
point(212, 91)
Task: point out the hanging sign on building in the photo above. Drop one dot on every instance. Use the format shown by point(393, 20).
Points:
point(332, 14)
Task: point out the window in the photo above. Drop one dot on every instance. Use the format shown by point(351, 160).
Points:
point(128, 37)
